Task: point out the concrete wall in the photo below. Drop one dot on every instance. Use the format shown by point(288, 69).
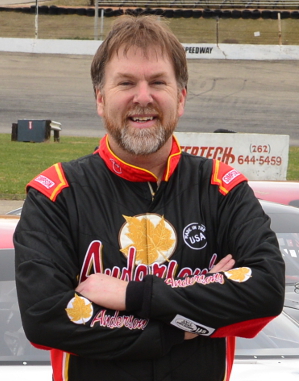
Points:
point(193, 51)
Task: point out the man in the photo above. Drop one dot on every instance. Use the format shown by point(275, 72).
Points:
point(140, 262)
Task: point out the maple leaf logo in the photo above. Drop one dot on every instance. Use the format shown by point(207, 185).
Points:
point(79, 310)
point(241, 274)
point(152, 236)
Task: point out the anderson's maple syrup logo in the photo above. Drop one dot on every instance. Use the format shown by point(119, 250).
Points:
point(240, 274)
point(79, 310)
point(152, 236)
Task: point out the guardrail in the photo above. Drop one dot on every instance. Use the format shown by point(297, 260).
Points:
point(239, 4)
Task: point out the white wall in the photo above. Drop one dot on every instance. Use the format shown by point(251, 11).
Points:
point(193, 51)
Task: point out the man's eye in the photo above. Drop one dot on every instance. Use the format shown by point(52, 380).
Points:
point(126, 83)
point(159, 83)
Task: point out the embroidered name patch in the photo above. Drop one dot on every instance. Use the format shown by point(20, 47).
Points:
point(118, 321)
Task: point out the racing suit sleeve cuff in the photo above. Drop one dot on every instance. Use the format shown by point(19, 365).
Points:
point(138, 297)
point(138, 301)
point(172, 336)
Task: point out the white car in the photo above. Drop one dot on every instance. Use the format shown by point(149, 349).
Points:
point(271, 356)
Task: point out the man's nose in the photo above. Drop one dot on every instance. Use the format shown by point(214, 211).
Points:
point(143, 94)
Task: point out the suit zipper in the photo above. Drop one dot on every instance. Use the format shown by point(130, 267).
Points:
point(153, 193)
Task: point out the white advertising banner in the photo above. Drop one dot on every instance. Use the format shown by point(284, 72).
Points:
point(257, 156)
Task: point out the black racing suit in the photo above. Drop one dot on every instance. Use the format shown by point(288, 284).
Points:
point(99, 214)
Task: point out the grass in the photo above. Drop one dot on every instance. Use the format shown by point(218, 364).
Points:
point(20, 162)
point(188, 30)
point(293, 167)
point(68, 3)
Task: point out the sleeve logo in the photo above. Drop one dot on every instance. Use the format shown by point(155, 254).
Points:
point(79, 310)
point(189, 325)
point(230, 176)
point(45, 181)
point(241, 274)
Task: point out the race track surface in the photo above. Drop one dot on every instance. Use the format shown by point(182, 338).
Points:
point(244, 96)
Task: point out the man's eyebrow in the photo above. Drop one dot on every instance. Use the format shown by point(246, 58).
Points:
point(120, 74)
point(160, 74)
point(131, 76)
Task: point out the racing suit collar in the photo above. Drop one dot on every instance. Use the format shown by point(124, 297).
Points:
point(137, 174)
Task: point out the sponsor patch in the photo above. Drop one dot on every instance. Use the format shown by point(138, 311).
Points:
point(230, 176)
point(240, 274)
point(189, 325)
point(194, 237)
point(79, 310)
point(225, 177)
point(50, 182)
point(45, 181)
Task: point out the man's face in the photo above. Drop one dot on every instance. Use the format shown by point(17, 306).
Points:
point(140, 101)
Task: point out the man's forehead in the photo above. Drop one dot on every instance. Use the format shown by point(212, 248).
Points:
point(149, 52)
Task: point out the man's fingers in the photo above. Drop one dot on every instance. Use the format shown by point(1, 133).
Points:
point(104, 290)
point(226, 263)
point(190, 336)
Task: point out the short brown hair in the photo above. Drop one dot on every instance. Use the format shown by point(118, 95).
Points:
point(143, 32)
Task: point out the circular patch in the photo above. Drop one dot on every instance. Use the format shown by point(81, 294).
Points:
point(194, 236)
point(240, 274)
point(153, 237)
point(79, 310)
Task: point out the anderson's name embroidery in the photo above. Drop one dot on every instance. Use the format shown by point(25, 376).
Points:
point(116, 321)
point(93, 261)
point(190, 281)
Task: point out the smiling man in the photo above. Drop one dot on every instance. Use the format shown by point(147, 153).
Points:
point(140, 262)
point(140, 101)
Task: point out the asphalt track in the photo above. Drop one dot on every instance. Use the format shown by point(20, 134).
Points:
point(244, 96)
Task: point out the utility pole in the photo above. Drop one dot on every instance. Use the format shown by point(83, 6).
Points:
point(36, 18)
point(279, 29)
point(96, 16)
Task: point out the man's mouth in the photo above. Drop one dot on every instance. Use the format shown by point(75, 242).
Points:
point(142, 119)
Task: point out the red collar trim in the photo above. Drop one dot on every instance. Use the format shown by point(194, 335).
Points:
point(137, 174)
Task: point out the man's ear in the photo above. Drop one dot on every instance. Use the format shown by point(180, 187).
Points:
point(100, 102)
point(182, 101)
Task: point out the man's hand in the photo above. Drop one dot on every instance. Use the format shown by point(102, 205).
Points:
point(226, 263)
point(189, 335)
point(105, 291)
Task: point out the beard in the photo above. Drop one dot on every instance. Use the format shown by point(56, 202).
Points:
point(141, 141)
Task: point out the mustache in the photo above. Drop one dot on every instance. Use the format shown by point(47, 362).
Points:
point(137, 110)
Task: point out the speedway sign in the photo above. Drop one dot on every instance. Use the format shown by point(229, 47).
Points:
point(257, 156)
